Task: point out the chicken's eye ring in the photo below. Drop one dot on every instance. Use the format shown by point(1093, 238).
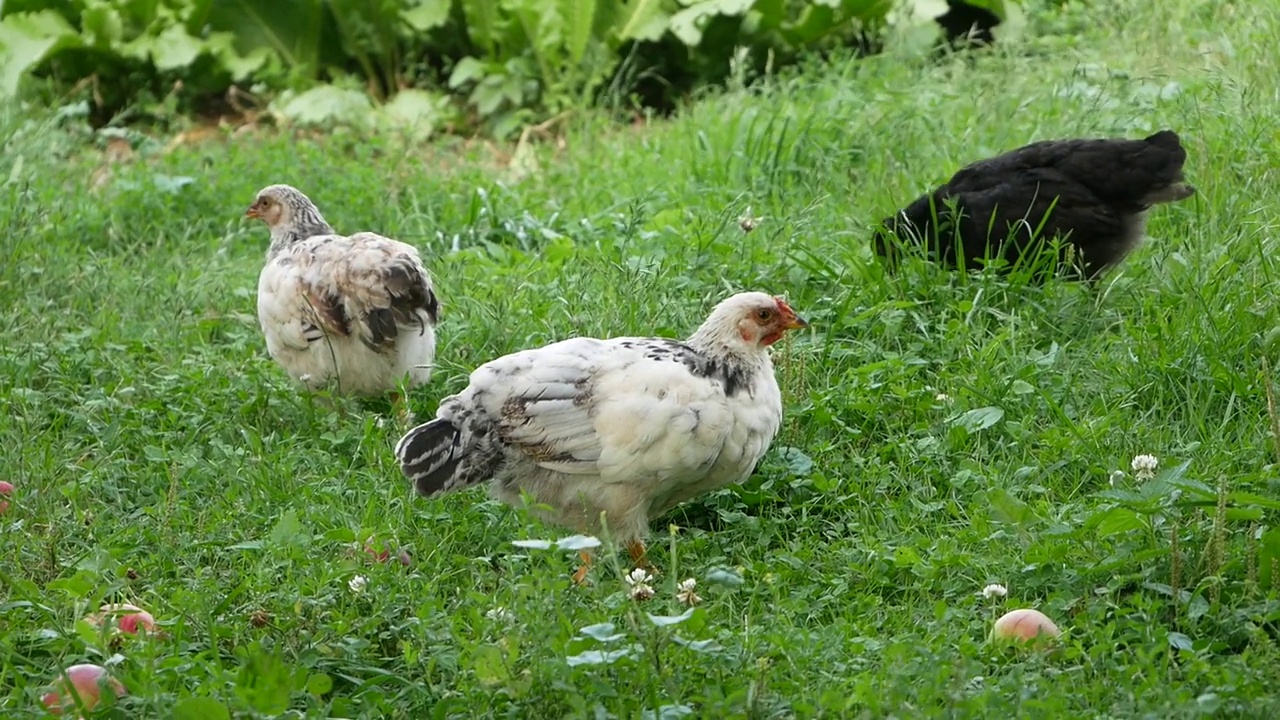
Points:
point(764, 314)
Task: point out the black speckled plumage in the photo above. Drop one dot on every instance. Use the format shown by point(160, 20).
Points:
point(626, 426)
point(733, 378)
point(1093, 194)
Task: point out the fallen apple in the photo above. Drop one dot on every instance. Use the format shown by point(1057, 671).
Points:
point(1024, 625)
point(6, 489)
point(378, 555)
point(128, 618)
point(82, 682)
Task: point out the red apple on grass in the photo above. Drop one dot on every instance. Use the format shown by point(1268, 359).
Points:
point(6, 489)
point(383, 555)
point(1024, 625)
point(82, 682)
point(378, 555)
point(128, 618)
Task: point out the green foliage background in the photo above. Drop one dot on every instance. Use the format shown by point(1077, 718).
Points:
point(507, 61)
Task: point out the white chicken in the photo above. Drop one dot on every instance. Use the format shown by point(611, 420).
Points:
point(627, 427)
point(355, 313)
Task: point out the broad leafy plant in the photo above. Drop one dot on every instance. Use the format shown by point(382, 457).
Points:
point(113, 40)
point(550, 54)
point(512, 62)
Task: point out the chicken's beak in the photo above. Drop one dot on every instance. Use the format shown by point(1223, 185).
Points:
point(252, 212)
point(790, 320)
point(794, 322)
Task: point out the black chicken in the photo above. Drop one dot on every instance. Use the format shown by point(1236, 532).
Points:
point(1092, 194)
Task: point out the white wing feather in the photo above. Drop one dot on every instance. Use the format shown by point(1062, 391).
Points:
point(587, 406)
point(284, 318)
point(368, 295)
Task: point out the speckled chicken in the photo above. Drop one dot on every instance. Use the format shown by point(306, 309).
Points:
point(1093, 194)
point(355, 314)
point(629, 427)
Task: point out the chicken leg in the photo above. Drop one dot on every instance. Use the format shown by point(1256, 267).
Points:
point(580, 575)
point(639, 559)
point(400, 407)
point(635, 549)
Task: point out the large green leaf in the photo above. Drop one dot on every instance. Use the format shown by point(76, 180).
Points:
point(65, 8)
point(424, 15)
point(1008, 509)
point(542, 27)
point(642, 20)
point(978, 418)
point(578, 17)
point(323, 105)
point(815, 21)
point(866, 11)
point(1118, 520)
point(468, 70)
point(482, 23)
point(1241, 497)
point(27, 39)
point(688, 23)
point(995, 6)
point(102, 26)
point(920, 11)
point(414, 112)
point(769, 14)
point(291, 29)
point(172, 49)
point(222, 46)
point(825, 17)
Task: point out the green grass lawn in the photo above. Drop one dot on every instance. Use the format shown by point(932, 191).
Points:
point(941, 432)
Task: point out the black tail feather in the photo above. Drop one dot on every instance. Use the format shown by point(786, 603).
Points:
point(429, 455)
point(1168, 140)
point(1168, 184)
point(1091, 193)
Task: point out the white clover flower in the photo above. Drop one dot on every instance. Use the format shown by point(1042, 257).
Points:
point(942, 397)
point(358, 584)
point(685, 592)
point(638, 576)
point(639, 579)
point(994, 590)
point(641, 591)
point(747, 221)
point(499, 614)
point(1144, 466)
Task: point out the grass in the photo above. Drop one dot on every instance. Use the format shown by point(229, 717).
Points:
point(942, 432)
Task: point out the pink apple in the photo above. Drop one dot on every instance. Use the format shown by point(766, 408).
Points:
point(80, 681)
point(1023, 626)
point(6, 488)
point(128, 618)
point(378, 555)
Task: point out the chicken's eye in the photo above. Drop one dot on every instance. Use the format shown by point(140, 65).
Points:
point(764, 315)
